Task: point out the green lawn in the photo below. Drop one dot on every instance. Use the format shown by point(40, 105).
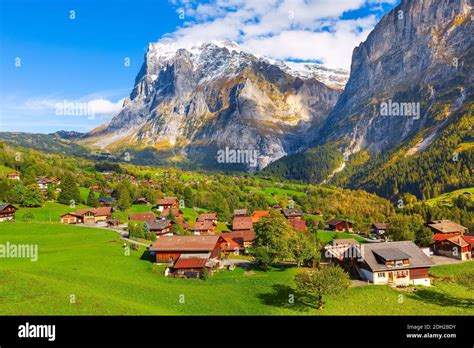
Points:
point(327, 236)
point(447, 197)
point(49, 212)
point(91, 265)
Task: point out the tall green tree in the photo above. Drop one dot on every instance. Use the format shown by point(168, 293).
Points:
point(69, 190)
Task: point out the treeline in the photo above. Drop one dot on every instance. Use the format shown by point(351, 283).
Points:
point(311, 166)
point(443, 166)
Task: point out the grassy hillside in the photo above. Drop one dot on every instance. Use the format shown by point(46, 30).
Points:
point(90, 265)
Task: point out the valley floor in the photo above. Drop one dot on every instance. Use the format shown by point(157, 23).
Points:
point(85, 271)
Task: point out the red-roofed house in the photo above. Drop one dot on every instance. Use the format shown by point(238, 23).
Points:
point(230, 246)
point(211, 217)
point(242, 223)
point(87, 216)
point(170, 248)
point(454, 246)
point(142, 217)
point(243, 238)
point(258, 214)
point(203, 227)
point(470, 240)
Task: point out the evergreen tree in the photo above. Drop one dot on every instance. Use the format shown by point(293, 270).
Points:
point(92, 200)
point(69, 190)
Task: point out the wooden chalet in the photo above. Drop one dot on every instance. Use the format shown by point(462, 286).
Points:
point(106, 201)
point(242, 223)
point(203, 228)
point(452, 245)
point(446, 227)
point(87, 216)
point(395, 263)
point(7, 212)
point(167, 203)
point(210, 217)
point(161, 227)
point(14, 175)
point(292, 214)
point(72, 218)
point(244, 238)
point(379, 229)
point(190, 265)
point(340, 225)
point(169, 249)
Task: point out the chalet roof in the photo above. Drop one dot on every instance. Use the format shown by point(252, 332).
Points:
point(344, 241)
point(230, 244)
point(380, 225)
point(142, 217)
point(207, 216)
point(100, 211)
point(242, 223)
point(167, 201)
point(186, 243)
point(417, 257)
point(6, 205)
point(246, 236)
point(258, 214)
point(335, 222)
point(294, 212)
point(191, 262)
point(158, 225)
point(202, 226)
point(438, 237)
point(392, 254)
point(106, 199)
point(458, 240)
point(469, 239)
point(446, 226)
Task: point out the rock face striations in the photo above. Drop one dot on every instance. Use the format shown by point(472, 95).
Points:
point(412, 73)
point(200, 100)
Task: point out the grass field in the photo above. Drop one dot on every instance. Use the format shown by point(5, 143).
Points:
point(327, 236)
point(446, 198)
point(49, 212)
point(90, 265)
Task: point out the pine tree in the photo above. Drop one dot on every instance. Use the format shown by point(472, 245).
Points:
point(92, 200)
point(69, 190)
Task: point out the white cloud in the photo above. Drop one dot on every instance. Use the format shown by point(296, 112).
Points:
point(99, 106)
point(280, 29)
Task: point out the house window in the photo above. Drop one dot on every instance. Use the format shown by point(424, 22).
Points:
point(381, 275)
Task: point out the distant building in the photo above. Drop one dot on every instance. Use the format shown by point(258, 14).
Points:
point(211, 217)
point(87, 216)
point(258, 214)
point(240, 212)
point(169, 249)
point(446, 227)
point(159, 227)
point(167, 203)
point(340, 225)
point(379, 228)
point(7, 212)
point(14, 175)
point(203, 228)
point(452, 245)
point(142, 217)
point(293, 214)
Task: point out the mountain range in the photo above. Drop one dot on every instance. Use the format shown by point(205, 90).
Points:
point(394, 124)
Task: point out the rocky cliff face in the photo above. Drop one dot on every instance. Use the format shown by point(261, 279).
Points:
point(200, 100)
point(419, 55)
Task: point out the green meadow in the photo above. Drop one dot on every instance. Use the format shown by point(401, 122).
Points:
point(85, 271)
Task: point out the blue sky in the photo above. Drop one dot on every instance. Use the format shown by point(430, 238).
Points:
point(49, 57)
